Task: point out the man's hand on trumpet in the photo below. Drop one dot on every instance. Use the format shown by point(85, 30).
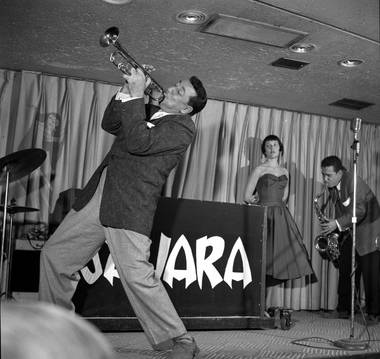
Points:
point(135, 83)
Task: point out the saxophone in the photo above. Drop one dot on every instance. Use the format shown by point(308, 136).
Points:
point(326, 244)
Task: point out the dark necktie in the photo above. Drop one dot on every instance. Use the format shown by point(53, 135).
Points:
point(334, 194)
point(150, 110)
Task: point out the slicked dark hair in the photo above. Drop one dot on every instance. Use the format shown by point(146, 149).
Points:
point(197, 102)
point(333, 161)
point(272, 138)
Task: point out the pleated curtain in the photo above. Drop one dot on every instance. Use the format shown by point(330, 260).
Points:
point(63, 117)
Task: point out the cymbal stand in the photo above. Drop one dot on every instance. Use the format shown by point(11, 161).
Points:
point(2, 254)
point(10, 251)
point(13, 167)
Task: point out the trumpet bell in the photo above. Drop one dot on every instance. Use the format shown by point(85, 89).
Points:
point(124, 62)
point(109, 37)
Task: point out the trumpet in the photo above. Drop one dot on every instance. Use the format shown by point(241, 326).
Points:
point(327, 245)
point(124, 61)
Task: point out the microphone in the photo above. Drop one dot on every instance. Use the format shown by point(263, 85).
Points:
point(355, 125)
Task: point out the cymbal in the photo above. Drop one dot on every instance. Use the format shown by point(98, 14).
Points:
point(20, 163)
point(17, 209)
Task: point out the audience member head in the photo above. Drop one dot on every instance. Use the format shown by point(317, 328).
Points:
point(37, 330)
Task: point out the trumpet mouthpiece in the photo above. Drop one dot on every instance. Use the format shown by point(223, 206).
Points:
point(103, 41)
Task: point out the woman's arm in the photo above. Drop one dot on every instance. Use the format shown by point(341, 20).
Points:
point(286, 191)
point(249, 196)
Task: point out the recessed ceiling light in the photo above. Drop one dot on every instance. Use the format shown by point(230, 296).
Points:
point(350, 62)
point(191, 17)
point(118, 2)
point(302, 48)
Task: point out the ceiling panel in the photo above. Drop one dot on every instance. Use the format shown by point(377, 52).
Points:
point(61, 37)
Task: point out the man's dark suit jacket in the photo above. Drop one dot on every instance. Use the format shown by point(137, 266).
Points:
point(367, 213)
point(138, 164)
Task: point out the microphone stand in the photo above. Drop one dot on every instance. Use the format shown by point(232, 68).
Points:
point(350, 343)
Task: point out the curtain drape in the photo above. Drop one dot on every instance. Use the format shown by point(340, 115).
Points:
point(63, 117)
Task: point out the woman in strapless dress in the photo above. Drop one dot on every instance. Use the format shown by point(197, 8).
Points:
point(287, 257)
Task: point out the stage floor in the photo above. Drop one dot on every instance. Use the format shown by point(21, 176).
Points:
point(311, 335)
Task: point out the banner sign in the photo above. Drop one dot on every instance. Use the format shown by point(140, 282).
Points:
point(210, 257)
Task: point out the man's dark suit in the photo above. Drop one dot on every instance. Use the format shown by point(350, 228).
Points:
point(367, 242)
point(118, 206)
point(138, 164)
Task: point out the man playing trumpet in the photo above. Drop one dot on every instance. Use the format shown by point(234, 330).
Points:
point(118, 205)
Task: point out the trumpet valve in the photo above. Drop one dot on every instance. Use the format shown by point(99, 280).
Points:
point(148, 68)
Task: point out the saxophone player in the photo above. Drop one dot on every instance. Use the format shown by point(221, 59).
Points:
point(341, 186)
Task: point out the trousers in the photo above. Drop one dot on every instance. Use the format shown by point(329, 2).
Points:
point(74, 243)
point(368, 266)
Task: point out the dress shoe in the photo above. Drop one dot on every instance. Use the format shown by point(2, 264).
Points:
point(184, 350)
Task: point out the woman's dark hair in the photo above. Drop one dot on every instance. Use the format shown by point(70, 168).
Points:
point(333, 161)
point(272, 138)
point(197, 102)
